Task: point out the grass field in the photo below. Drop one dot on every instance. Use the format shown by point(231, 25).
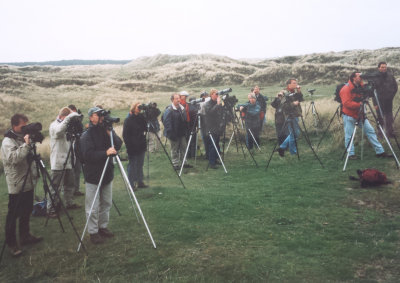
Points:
point(295, 222)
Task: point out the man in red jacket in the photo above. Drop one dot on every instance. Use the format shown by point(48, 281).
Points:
point(352, 113)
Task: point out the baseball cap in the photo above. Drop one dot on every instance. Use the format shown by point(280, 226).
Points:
point(93, 110)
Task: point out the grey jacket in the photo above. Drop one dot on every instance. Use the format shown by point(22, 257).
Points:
point(59, 146)
point(14, 154)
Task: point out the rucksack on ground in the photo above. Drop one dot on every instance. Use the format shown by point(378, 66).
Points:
point(371, 177)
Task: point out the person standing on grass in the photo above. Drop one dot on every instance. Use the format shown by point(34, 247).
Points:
point(77, 167)
point(251, 113)
point(21, 177)
point(214, 126)
point(291, 107)
point(134, 130)
point(62, 173)
point(386, 87)
point(279, 118)
point(351, 101)
point(175, 126)
point(262, 101)
point(96, 149)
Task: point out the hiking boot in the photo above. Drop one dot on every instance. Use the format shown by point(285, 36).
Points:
point(104, 232)
point(96, 239)
point(187, 166)
point(15, 251)
point(176, 167)
point(213, 166)
point(73, 206)
point(78, 194)
point(142, 185)
point(353, 157)
point(30, 240)
point(281, 152)
point(384, 155)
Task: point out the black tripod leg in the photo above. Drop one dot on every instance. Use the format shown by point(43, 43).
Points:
point(309, 142)
point(277, 143)
point(170, 161)
point(43, 169)
point(327, 128)
point(252, 157)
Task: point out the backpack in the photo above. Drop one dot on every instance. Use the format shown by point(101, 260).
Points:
point(371, 177)
point(39, 208)
point(337, 92)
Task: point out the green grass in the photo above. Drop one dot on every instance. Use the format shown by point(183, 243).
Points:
point(295, 222)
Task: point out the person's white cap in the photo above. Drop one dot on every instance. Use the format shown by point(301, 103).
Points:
point(184, 93)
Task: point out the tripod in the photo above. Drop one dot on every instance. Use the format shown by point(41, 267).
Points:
point(193, 131)
point(362, 118)
point(314, 112)
point(128, 187)
point(289, 122)
point(236, 132)
point(336, 114)
point(41, 170)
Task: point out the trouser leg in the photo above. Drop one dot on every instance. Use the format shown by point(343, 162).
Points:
point(26, 210)
point(105, 205)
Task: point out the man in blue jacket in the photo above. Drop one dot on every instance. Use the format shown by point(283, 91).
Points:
point(251, 113)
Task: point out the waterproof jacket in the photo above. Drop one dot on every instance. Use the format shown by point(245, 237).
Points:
point(289, 109)
point(251, 114)
point(262, 101)
point(349, 106)
point(279, 116)
point(15, 154)
point(134, 130)
point(386, 86)
point(59, 145)
point(213, 117)
point(94, 143)
point(175, 122)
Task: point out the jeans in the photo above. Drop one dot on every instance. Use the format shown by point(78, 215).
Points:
point(293, 125)
point(101, 208)
point(135, 168)
point(349, 124)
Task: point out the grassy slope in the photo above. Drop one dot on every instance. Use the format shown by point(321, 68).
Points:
point(294, 222)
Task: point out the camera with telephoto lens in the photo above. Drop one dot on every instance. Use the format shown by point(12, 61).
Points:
point(108, 120)
point(229, 101)
point(74, 127)
point(150, 111)
point(364, 92)
point(33, 130)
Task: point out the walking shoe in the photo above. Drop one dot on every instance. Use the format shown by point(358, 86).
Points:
point(353, 157)
point(213, 166)
point(142, 185)
point(96, 239)
point(384, 155)
point(104, 232)
point(73, 206)
point(176, 167)
point(15, 250)
point(78, 194)
point(187, 166)
point(30, 240)
point(281, 152)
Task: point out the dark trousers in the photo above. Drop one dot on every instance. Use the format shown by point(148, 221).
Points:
point(249, 138)
point(19, 206)
point(212, 153)
point(135, 168)
point(387, 120)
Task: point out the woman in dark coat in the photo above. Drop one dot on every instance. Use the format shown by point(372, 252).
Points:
point(134, 134)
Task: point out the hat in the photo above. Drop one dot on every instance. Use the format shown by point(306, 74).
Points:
point(93, 110)
point(184, 93)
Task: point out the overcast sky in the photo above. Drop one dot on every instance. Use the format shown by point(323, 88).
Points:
point(45, 30)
